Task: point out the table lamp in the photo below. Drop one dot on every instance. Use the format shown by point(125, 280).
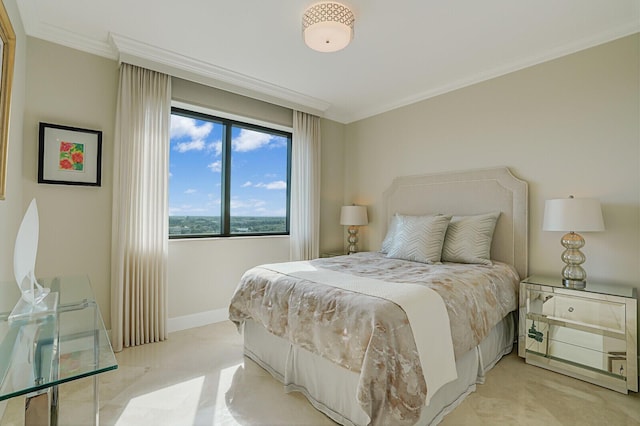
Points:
point(353, 216)
point(571, 215)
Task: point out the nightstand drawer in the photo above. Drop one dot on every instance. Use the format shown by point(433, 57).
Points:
point(573, 337)
point(548, 337)
point(601, 314)
point(582, 356)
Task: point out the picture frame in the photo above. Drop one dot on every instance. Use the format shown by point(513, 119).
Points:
point(7, 56)
point(69, 155)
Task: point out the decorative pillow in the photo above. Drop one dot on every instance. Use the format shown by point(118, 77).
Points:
point(468, 239)
point(419, 238)
point(391, 233)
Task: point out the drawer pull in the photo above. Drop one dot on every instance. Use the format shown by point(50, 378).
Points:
point(570, 309)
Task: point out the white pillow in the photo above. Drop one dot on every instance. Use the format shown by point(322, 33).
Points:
point(468, 239)
point(419, 238)
point(391, 233)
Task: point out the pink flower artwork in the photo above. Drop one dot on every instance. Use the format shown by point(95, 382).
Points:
point(71, 156)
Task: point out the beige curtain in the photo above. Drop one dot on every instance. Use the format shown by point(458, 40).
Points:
point(305, 187)
point(140, 216)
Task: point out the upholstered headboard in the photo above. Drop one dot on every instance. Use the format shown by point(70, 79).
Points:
point(467, 193)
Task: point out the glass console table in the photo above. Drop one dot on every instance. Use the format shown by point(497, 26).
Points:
point(40, 352)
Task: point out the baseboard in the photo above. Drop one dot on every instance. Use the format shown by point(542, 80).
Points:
point(197, 320)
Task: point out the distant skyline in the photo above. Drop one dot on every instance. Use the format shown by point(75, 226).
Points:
point(258, 170)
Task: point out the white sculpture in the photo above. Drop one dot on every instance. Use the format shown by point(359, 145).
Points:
point(35, 298)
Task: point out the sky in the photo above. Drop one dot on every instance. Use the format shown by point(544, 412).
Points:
point(258, 170)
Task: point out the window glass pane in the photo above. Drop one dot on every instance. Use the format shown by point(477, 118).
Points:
point(195, 176)
point(227, 177)
point(258, 181)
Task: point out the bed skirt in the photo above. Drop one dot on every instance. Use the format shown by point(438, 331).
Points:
point(331, 389)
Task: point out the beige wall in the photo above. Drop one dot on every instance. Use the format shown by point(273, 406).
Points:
point(68, 87)
point(568, 126)
point(11, 208)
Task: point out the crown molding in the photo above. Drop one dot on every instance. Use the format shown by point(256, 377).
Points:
point(139, 53)
point(42, 30)
point(549, 55)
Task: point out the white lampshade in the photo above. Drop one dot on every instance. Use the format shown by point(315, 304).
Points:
point(353, 215)
point(327, 26)
point(573, 214)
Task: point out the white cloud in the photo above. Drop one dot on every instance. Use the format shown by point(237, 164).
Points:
point(278, 142)
point(183, 126)
point(247, 183)
point(247, 209)
point(210, 208)
point(187, 128)
point(239, 204)
point(278, 184)
point(199, 145)
point(253, 203)
point(248, 140)
point(216, 166)
point(190, 191)
point(179, 209)
point(217, 146)
point(193, 145)
point(185, 210)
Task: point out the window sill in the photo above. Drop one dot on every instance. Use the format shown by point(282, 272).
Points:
point(234, 238)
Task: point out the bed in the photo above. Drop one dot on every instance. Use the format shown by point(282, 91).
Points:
point(396, 336)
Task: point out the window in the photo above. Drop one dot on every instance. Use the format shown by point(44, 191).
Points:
point(226, 177)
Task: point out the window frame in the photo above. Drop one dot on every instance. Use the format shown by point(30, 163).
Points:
point(225, 179)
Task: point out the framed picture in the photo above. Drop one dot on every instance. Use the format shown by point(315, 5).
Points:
point(69, 156)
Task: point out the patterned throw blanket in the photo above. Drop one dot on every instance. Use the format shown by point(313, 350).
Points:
point(371, 336)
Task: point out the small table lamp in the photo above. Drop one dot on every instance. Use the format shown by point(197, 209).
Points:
point(573, 214)
point(353, 216)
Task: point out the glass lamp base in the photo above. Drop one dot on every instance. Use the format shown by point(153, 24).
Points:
point(352, 239)
point(579, 284)
point(573, 275)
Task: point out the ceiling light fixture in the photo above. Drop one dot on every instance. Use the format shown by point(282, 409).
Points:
point(327, 26)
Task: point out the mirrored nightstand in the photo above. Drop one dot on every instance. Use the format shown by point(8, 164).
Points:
point(590, 334)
